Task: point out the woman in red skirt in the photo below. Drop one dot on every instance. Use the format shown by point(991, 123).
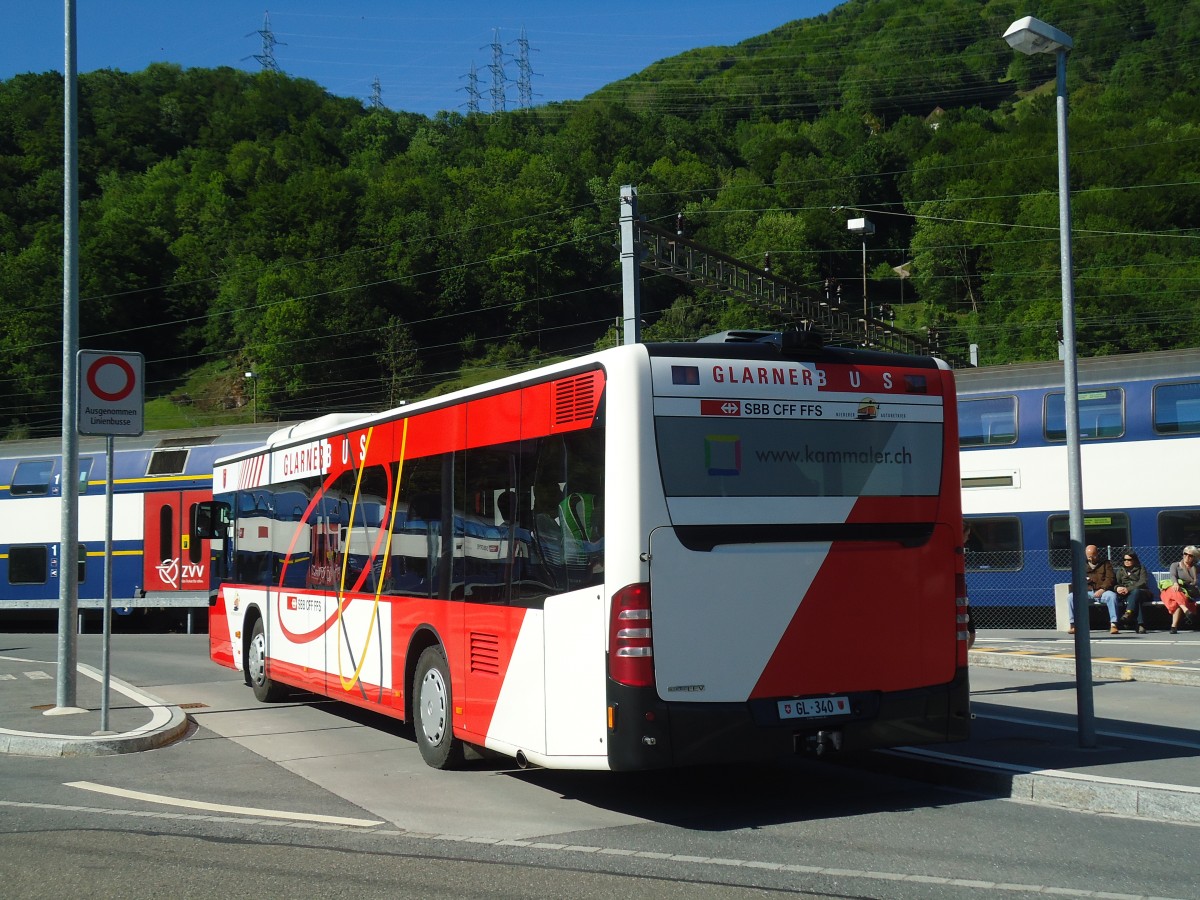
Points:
point(1180, 597)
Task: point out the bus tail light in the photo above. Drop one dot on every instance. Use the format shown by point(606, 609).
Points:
point(630, 638)
point(963, 611)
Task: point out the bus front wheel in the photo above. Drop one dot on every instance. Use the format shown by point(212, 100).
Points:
point(265, 690)
point(433, 718)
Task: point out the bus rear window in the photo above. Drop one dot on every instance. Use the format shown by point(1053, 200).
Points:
point(711, 457)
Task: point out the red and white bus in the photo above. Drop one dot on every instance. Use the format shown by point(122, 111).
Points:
point(655, 555)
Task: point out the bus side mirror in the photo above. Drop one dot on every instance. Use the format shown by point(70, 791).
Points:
point(211, 519)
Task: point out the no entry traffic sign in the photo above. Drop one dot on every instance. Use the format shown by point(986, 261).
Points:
point(111, 393)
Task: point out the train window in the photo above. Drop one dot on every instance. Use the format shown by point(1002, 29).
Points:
point(1101, 414)
point(85, 471)
point(993, 543)
point(167, 462)
point(194, 544)
point(1176, 529)
point(166, 532)
point(1108, 531)
point(28, 564)
point(1177, 409)
point(989, 420)
point(32, 476)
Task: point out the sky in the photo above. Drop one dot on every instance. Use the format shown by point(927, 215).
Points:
point(421, 53)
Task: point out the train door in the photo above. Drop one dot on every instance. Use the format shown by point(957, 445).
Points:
point(173, 561)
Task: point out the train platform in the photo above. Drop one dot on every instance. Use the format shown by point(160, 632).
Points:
point(1158, 656)
point(1026, 748)
point(1027, 739)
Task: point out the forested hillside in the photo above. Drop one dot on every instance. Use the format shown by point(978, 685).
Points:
point(353, 257)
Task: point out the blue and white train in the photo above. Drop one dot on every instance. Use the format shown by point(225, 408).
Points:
point(1140, 438)
point(157, 478)
point(1139, 420)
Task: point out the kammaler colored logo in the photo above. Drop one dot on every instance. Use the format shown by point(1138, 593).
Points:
point(723, 454)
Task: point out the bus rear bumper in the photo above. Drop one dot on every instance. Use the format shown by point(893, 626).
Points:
point(651, 734)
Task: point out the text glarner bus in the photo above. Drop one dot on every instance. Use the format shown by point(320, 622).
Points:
point(656, 555)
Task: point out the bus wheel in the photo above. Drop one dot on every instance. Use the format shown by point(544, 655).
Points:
point(433, 718)
point(266, 690)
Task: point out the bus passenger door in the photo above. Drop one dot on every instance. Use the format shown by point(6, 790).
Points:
point(173, 561)
point(304, 566)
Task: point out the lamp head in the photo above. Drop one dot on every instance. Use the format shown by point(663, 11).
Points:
point(860, 226)
point(1030, 35)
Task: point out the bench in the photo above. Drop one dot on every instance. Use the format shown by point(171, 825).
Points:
point(1154, 614)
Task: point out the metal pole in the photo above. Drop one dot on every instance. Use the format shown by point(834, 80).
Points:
point(631, 285)
point(1083, 647)
point(866, 310)
point(105, 669)
point(68, 556)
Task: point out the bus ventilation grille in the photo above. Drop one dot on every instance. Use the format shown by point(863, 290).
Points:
point(485, 653)
point(574, 399)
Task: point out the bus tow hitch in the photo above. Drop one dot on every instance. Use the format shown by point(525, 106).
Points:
point(821, 742)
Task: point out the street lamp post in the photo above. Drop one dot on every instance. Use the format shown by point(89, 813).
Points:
point(254, 401)
point(1030, 35)
point(866, 228)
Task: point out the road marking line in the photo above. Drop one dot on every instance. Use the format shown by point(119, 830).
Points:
point(220, 807)
point(684, 861)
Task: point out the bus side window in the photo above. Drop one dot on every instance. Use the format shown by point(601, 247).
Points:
point(416, 550)
point(582, 509)
point(548, 527)
point(252, 558)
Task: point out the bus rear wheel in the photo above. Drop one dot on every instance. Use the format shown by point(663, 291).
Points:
point(265, 690)
point(433, 717)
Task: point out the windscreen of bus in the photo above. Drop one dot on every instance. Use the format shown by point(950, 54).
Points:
point(706, 457)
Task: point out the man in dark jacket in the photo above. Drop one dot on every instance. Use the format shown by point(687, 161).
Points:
point(1100, 583)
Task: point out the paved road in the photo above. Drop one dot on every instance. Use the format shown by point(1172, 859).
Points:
point(260, 778)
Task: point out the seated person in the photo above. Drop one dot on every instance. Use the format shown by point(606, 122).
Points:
point(1182, 602)
point(1132, 590)
point(1100, 583)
